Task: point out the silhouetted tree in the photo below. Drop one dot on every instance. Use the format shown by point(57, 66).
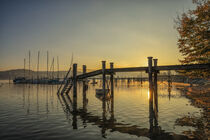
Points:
point(194, 37)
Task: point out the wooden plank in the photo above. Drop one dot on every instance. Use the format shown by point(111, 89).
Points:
point(89, 74)
point(184, 67)
point(104, 78)
point(129, 69)
point(168, 67)
point(136, 69)
point(111, 79)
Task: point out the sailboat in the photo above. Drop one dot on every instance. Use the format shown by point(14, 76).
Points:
point(22, 80)
point(19, 80)
point(53, 80)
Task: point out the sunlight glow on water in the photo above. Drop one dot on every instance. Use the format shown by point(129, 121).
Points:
point(36, 112)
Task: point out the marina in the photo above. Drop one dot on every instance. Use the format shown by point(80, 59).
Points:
point(104, 70)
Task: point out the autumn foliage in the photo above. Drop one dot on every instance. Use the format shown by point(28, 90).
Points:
point(194, 37)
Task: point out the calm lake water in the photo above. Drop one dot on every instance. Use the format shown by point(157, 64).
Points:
point(36, 112)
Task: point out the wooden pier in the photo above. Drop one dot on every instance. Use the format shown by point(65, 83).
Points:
point(153, 69)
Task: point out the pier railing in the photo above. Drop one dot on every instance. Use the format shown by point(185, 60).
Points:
point(136, 69)
point(151, 69)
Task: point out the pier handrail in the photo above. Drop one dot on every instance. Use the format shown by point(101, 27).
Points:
point(135, 69)
point(89, 74)
point(64, 81)
point(67, 74)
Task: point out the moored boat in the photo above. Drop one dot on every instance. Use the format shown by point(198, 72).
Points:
point(19, 80)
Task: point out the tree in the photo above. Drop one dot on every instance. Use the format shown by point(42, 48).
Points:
point(194, 37)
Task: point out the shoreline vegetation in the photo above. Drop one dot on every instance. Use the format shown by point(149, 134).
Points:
point(199, 96)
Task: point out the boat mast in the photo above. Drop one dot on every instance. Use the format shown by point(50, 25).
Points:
point(38, 66)
point(47, 62)
point(29, 65)
point(53, 68)
point(24, 71)
point(58, 67)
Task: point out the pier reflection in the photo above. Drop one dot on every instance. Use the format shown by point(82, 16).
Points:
point(110, 124)
point(42, 100)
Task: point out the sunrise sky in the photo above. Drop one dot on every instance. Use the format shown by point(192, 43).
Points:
point(123, 31)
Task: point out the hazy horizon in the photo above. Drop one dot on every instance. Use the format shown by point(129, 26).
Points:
point(125, 32)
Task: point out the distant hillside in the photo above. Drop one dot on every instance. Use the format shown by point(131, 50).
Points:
point(11, 74)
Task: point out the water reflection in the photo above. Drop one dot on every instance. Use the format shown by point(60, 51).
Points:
point(37, 98)
point(110, 124)
point(47, 108)
point(169, 91)
point(106, 116)
point(23, 96)
point(28, 100)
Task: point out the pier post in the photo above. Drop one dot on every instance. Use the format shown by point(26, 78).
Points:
point(150, 77)
point(84, 80)
point(111, 78)
point(150, 92)
point(84, 89)
point(75, 80)
point(104, 76)
point(155, 84)
point(112, 90)
point(84, 69)
point(104, 88)
point(74, 123)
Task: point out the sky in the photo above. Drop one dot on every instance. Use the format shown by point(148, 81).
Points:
point(125, 32)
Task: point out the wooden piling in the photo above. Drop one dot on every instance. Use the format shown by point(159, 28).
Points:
point(104, 76)
point(84, 80)
point(150, 84)
point(112, 89)
point(150, 71)
point(104, 88)
point(155, 84)
point(112, 78)
point(84, 89)
point(84, 69)
point(75, 80)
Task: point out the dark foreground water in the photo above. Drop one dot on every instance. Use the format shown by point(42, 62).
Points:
point(30, 112)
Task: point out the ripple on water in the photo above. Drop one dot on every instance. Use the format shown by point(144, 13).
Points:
point(36, 113)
